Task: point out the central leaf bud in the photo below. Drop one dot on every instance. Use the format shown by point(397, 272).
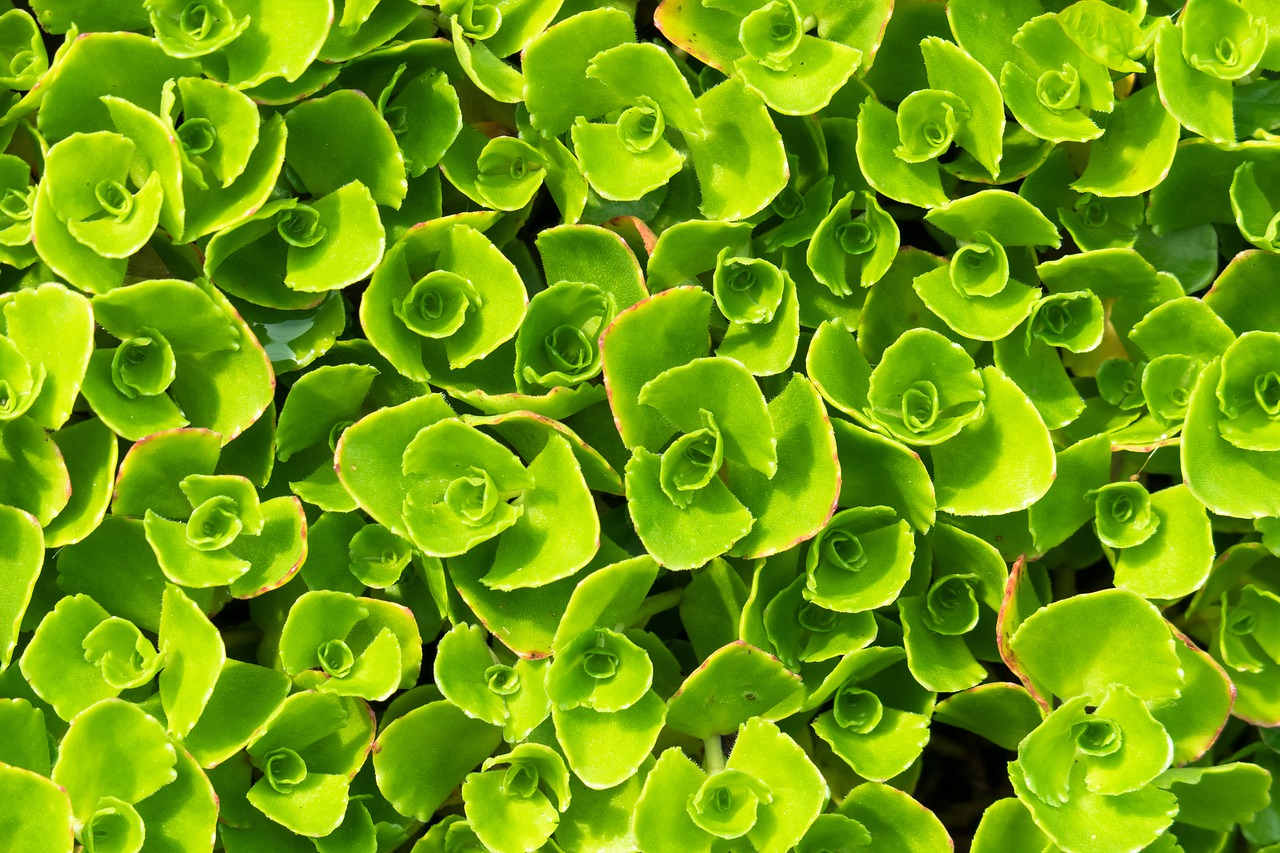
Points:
point(300, 226)
point(284, 770)
point(691, 462)
point(114, 827)
point(438, 304)
point(473, 497)
point(951, 605)
point(857, 710)
point(115, 199)
point(728, 802)
point(641, 126)
point(771, 34)
point(197, 136)
point(214, 524)
point(1097, 736)
point(143, 366)
point(1059, 91)
point(335, 658)
point(502, 680)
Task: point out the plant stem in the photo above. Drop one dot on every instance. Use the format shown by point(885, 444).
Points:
point(713, 754)
point(655, 604)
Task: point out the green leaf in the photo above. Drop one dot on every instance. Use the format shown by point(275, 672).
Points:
point(1175, 560)
point(736, 683)
point(369, 453)
point(797, 501)
point(874, 468)
point(1227, 479)
point(244, 698)
point(786, 771)
point(897, 823)
point(663, 822)
point(691, 247)
point(1196, 717)
point(656, 334)
point(275, 43)
point(314, 806)
point(1002, 462)
point(54, 662)
point(589, 253)
point(509, 808)
point(365, 151)
point(950, 69)
point(1002, 713)
point(101, 740)
point(21, 557)
point(1115, 637)
point(875, 750)
point(1009, 219)
point(1081, 468)
point(688, 536)
point(122, 64)
point(629, 734)
point(557, 86)
point(1200, 102)
point(739, 157)
point(817, 69)
point(194, 657)
point(1140, 131)
point(559, 508)
point(52, 327)
point(44, 823)
point(910, 183)
point(1218, 797)
point(1089, 821)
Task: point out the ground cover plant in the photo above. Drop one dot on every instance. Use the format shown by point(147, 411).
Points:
point(588, 427)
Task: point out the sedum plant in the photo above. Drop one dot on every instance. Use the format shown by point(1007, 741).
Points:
point(558, 426)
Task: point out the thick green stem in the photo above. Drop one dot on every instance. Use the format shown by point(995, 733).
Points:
point(655, 604)
point(713, 754)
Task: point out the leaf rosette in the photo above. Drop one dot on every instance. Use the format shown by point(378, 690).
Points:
point(23, 57)
point(228, 537)
point(308, 247)
point(722, 411)
point(449, 487)
point(89, 214)
point(851, 248)
point(511, 694)
point(1053, 85)
point(180, 342)
point(187, 29)
point(337, 643)
point(878, 719)
point(305, 758)
point(925, 389)
point(860, 561)
point(17, 201)
point(514, 803)
point(797, 56)
point(763, 798)
point(442, 298)
point(1080, 764)
point(948, 629)
point(1230, 436)
point(974, 294)
point(115, 811)
point(1245, 643)
point(558, 342)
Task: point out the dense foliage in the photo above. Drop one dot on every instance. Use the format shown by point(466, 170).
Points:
point(568, 426)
